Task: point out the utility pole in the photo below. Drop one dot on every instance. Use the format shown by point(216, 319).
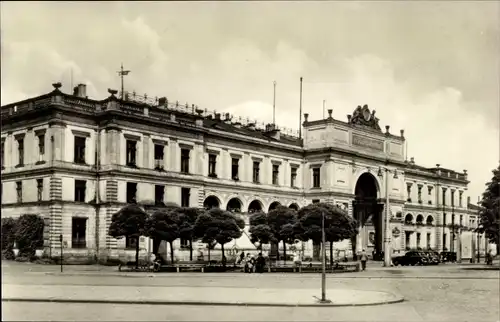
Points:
point(300, 111)
point(122, 73)
point(323, 261)
point(274, 103)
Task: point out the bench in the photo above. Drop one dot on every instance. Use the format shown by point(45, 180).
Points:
point(179, 267)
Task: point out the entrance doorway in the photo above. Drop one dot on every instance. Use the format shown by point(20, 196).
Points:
point(368, 213)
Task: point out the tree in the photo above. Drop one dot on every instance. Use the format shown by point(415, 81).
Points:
point(489, 222)
point(8, 237)
point(129, 222)
point(219, 226)
point(29, 234)
point(260, 231)
point(166, 207)
point(187, 219)
point(164, 225)
point(282, 220)
point(338, 224)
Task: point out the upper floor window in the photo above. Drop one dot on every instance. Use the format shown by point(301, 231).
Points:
point(41, 147)
point(461, 220)
point(131, 242)
point(159, 194)
point(444, 196)
point(460, 196)
point(235, 168)
point(20, 150)
point(256, 172)
point(212, 165)
point(159, 156)
point(419, 191)
point(293, 177)
point(185, 160)
point(444, 219)
point(452, 198)
point(316, 177)
point(19, 190)
point(39, 188)
point(131, 192)
point(3, 154)
point(79, 232)
point(80, 188)
point(131, 153)
point(276, 172)
point(315, 201)
point(80, 143)
point(185, 196)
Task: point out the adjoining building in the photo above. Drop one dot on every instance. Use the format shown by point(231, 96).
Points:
point(75, 161)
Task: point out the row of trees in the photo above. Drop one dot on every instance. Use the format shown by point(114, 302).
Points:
point(217, 226)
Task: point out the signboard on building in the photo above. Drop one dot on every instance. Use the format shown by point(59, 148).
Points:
point(367, 142)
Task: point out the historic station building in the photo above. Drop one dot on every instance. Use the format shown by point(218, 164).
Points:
point(75, 161)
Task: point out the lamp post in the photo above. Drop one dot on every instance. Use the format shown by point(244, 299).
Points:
point(323, 261)
point(387, 231)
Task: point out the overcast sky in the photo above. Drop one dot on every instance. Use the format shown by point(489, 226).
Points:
point(431, 68)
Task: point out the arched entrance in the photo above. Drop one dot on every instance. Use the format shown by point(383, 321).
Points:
point(368, 213)
point(211, 202)
point(255, 206)
point(234, 205)
point(294, 206)
point(274, 205)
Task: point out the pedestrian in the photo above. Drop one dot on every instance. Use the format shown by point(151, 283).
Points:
point(296, 259)
point(242, 257)
point(247, 263)
point(489, 258)
point(260, 263)
point(363, 259)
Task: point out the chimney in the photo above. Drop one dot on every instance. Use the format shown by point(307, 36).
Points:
point(468, 201)
point(80, 91)
point(272, 131)
point(227, 118)
point(217, 116)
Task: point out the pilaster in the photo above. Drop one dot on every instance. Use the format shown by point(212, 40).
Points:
point(55, 210)
point(146, 144)
point(112, 197)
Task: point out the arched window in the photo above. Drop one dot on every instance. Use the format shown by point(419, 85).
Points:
point(430, 221)
point(408, 219)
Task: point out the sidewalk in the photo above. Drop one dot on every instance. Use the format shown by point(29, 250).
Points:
point(193, 295)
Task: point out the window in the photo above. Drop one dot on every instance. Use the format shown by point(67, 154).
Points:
point(418, 239)
point(428, 240)
point(235, 167)
point(79, 230)
point(2, 151)
point(131, 153)
point(159, 155)
point(39, 188)
point(20, 149)
point(407, 239)
point(131, 242)
point(19, 189)
point(452, 198)
point(316, 177)
point(445, 241)
point(184, 243)
point(185, 194)
point(212, 165)
point(41, 147)
point(276, 172)
point(293, 177)
point(79, 150)
point(159, 194)
point(131, 192)
point(444, 196)
point(185, 160)
point(460, 195)
point(444, 219)
point(256, 172)
point(80, 187)
point(461, 219)
point(315, 201)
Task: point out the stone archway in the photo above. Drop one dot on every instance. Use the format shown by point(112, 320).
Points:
point(368, 213)
point(234, 205)
point(255, 206)
point(294, 206)
point(211, 202)
point(274, 205)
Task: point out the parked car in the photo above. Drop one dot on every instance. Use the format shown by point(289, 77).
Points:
point(448, 257)
point(433, 257)
point(411, 258)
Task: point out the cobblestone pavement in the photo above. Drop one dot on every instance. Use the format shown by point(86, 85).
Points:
point(451, 298)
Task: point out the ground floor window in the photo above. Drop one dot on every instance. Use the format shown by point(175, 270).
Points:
point(184, 243)
point(131, 242)
point(79, 231)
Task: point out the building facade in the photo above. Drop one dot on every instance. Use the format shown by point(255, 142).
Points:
point(76, 161)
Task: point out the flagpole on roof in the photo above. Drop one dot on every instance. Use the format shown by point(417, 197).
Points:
point(122, 73)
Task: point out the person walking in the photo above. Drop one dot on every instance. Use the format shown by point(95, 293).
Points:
point(260, 263)
point(363, 259)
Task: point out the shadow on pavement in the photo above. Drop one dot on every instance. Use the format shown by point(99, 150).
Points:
point(485, 268)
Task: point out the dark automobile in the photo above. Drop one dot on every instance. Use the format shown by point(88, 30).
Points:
point(411, 258)
point(433, 257)
point(448, 257)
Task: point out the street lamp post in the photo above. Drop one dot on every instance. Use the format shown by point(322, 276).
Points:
point(387, 231)
point(323, 261)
